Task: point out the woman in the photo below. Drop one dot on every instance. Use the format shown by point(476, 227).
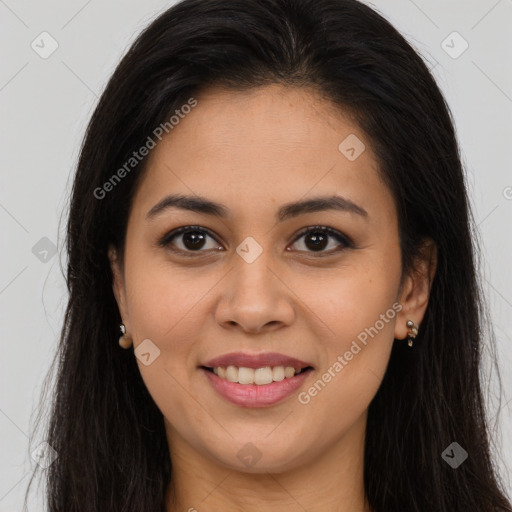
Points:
point(270, 203)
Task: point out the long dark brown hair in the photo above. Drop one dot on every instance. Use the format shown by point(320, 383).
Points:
point(104, 425)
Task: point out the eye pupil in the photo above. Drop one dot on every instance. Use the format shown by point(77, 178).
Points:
point(318, 239)
point(193, 239)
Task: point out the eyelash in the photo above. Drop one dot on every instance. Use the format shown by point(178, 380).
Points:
point(166, 240)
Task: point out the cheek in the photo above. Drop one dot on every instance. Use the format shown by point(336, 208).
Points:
point(167, 307)
point(356, 311)
point(346, 301)
point(163, 299)
point(355, 353)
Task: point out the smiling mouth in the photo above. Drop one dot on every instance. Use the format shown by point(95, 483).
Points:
point(259, 376)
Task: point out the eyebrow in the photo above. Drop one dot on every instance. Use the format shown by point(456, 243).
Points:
point(199, 204)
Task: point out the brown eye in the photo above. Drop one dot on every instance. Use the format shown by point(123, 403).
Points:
point(316, 239)
point(189, 239)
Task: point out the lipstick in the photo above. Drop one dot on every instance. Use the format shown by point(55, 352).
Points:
point(233, 377)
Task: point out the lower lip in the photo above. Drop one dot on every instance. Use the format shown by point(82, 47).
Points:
point(252, 395)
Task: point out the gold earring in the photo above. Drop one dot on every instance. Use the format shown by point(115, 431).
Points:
point(413, 332)
point(124, 340)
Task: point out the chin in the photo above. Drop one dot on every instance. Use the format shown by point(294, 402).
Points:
point(260, 456)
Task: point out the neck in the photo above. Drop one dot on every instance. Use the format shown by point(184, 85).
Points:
point(330, 482)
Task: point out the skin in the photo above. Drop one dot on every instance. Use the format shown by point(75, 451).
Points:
point(255, 151)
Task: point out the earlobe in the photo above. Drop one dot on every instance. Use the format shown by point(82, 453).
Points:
point(416, 289)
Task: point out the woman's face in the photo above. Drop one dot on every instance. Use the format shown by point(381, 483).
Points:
point(250, 282)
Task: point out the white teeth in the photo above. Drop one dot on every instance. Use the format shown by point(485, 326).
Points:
point(289, 372)
point(232, 373)
point(263, 375)
point(278, 373)
point(245, 375)
point(258, 376)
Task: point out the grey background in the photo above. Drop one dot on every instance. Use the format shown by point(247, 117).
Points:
point(46, 103)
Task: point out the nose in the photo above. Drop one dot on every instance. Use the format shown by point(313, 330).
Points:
point(255, 297)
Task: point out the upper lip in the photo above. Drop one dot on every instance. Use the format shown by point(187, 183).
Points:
point(255, 360)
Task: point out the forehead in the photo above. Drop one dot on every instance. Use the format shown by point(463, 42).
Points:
point(236, 123)
point(266, 145)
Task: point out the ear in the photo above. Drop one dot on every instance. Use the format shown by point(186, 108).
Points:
point(118, 285)
point(416, 288)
